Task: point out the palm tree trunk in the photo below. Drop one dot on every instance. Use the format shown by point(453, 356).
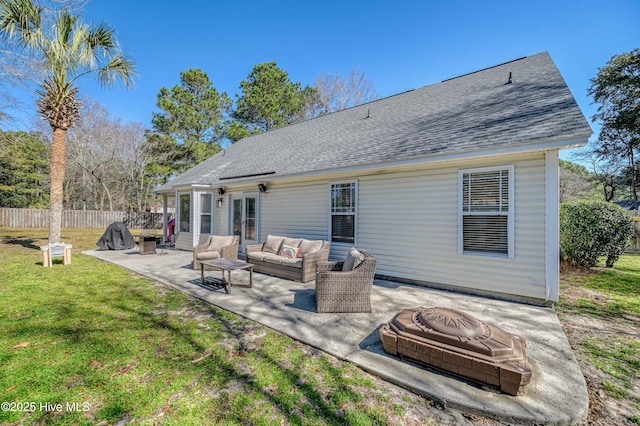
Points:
point(57, 169)
point(634, 179)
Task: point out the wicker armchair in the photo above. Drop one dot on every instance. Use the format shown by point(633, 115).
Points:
point(224, 247)
point(345, 291)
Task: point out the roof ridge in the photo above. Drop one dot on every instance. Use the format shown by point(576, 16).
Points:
point(485, 69)
point(373, 101)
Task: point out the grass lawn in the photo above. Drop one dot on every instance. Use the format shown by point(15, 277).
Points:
point(92, 343)
point(607, 340)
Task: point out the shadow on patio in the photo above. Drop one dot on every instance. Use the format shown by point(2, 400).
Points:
point(557, 393)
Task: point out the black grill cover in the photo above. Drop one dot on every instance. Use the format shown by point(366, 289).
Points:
point(116, 237)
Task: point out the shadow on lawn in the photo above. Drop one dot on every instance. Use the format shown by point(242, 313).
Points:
point(243, 363)
point(230, 361)
point(29, 243)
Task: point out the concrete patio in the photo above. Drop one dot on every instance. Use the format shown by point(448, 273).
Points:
point(557, 393)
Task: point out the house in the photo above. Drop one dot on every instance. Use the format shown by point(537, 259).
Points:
point(453, 185)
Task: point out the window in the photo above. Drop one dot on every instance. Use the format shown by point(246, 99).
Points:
point(237, 217)
point(185, 213)
point(250, 215)
point(343, 212)
point(485, 216)
point(206, 216)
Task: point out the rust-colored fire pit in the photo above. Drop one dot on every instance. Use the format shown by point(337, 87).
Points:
point(461, 344)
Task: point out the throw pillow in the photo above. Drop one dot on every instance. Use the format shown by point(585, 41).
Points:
point(352, 257)
point(359, 261)
point(288, 251)
point(291, 242)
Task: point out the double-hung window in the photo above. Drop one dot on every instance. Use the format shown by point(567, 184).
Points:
point(185, 213)
point(206, 213)
point(485, 216)
point(344, 201)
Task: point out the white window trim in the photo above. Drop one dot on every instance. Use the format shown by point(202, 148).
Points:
point(258, 196)
point(202, 213)
point(510, 213)
point(179, 215)
point(355, 213)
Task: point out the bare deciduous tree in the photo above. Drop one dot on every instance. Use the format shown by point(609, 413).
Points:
point(574, 186)
point(604, 173)
point(106, 167)
point(336, 92)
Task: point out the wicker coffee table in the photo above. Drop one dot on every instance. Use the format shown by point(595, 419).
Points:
point(225, 265)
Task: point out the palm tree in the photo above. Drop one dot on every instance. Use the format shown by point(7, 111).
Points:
point(66, 51)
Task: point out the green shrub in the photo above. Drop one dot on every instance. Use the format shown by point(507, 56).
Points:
point(592, 229)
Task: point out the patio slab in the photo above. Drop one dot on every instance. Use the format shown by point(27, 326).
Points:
point(557, 393)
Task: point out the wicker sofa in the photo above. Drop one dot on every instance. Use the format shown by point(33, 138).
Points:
point(290, 258)
point(216, 247)
point(346, 286)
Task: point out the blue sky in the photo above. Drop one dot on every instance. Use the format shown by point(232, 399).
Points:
point(400, 45)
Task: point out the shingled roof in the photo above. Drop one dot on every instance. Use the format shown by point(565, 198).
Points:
point(518, 104)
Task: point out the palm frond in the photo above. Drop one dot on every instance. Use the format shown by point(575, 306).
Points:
point(69, 50)
point(120, 69)
point(64, 27)
point(102, 37)
point(20, 20)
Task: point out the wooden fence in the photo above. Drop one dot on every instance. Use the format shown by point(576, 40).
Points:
point(634, 246)
point(33, 218)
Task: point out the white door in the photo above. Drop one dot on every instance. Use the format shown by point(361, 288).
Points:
point(244, 218)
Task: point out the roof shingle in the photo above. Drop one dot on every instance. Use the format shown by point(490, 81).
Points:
point(474, 112)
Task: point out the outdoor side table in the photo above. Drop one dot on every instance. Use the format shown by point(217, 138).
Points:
point(225, 265)
point(147, 243)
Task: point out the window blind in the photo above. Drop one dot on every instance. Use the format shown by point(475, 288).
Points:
point(485, 212)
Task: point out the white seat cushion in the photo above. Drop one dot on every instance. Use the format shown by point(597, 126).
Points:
point(273, 258)
point(208, 255)
point(256, 255)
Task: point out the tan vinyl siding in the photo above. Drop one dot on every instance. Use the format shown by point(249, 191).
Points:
point(295, 210)
point(221, 215)
point(185, 241)
point(409, 222)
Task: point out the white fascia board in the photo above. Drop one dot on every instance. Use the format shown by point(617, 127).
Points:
point(185, 188)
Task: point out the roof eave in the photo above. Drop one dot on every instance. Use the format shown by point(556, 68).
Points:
point(522, 148)
point(538, 146)
point(167, 188)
